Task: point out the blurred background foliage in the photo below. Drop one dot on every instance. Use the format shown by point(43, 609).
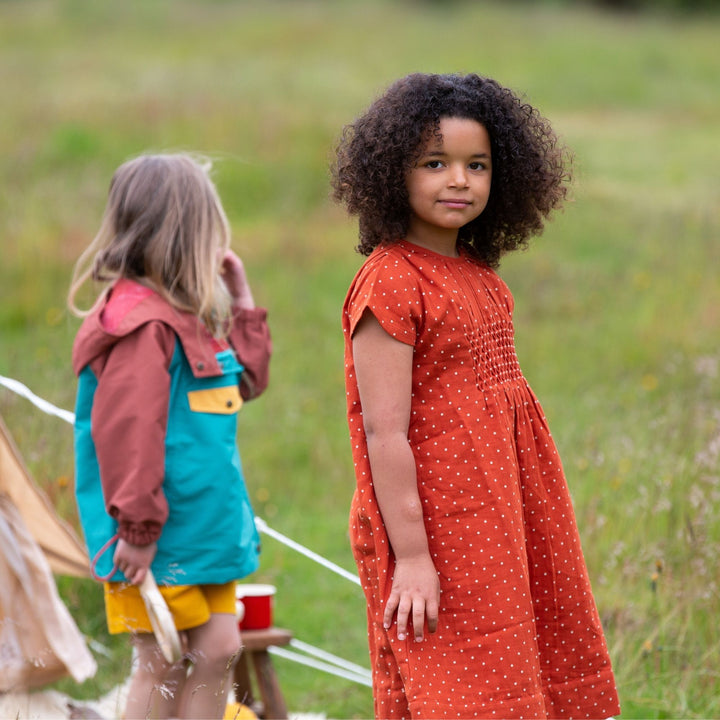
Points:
point(617, 305)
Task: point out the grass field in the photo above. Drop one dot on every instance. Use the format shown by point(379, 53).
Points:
point(618, 304)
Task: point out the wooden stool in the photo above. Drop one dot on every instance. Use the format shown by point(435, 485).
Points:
point(255, 649)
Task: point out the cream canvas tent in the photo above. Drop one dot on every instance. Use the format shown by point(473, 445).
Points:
point(58, 541)
point(39, 640)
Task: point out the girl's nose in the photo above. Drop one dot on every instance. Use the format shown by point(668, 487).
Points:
point(458, 176)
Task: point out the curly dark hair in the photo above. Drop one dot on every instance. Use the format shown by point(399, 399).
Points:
point(530, 175)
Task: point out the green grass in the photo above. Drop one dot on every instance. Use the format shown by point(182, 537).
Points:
point(618, 305)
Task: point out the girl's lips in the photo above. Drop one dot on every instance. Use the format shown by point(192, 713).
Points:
point(455, 203)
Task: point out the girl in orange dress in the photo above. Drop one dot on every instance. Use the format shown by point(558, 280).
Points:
point(462, 527)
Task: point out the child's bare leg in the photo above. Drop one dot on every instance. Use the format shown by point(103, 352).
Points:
point(156, 686)
point(214, 648)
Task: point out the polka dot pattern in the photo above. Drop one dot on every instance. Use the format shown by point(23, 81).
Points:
point(519, 632)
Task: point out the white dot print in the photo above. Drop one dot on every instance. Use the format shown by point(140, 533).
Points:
point(519, 634)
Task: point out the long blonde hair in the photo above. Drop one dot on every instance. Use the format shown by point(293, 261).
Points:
point(163, 226)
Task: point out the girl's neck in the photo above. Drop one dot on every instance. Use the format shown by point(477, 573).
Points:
point(439, 240)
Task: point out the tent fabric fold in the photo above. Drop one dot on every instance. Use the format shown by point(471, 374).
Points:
point(39, 640)
point(64, 551)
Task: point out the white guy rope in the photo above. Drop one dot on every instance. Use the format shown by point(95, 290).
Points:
point(20, 389)
point(317, 665)
point(329, 657)
point(262, 526)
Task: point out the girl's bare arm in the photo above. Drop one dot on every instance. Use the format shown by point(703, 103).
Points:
point(383, 368)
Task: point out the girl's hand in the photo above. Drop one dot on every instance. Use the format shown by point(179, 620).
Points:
point(415, 594)
point(232, 271)
point(134, 560)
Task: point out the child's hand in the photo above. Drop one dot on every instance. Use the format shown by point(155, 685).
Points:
point(134, 560)
point(415, 595)
point(233, 273)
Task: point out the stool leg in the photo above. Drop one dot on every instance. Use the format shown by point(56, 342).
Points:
point(273, 700)
point(241, 681)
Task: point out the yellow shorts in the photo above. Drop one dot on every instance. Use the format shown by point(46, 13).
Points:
point(190, 605)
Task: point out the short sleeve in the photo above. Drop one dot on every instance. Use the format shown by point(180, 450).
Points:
point(389, 289)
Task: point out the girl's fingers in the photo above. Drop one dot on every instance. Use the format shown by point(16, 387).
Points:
point(231, 258)
point(390, 608)
point(403, 612)
point(432, 610)
point(418, 618)
point(416, 610)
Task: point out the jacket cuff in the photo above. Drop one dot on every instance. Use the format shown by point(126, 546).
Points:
point(249, 315)
point(250, 337)
point(139, 533)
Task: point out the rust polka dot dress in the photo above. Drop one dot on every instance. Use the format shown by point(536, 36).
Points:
point(519, 634)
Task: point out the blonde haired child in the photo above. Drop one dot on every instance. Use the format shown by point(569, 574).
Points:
point(165, 358)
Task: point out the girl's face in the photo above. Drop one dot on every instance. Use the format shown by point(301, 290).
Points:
point(449, 186)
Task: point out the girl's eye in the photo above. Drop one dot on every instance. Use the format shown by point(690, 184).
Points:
point(433, 164)
point(477, 166)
